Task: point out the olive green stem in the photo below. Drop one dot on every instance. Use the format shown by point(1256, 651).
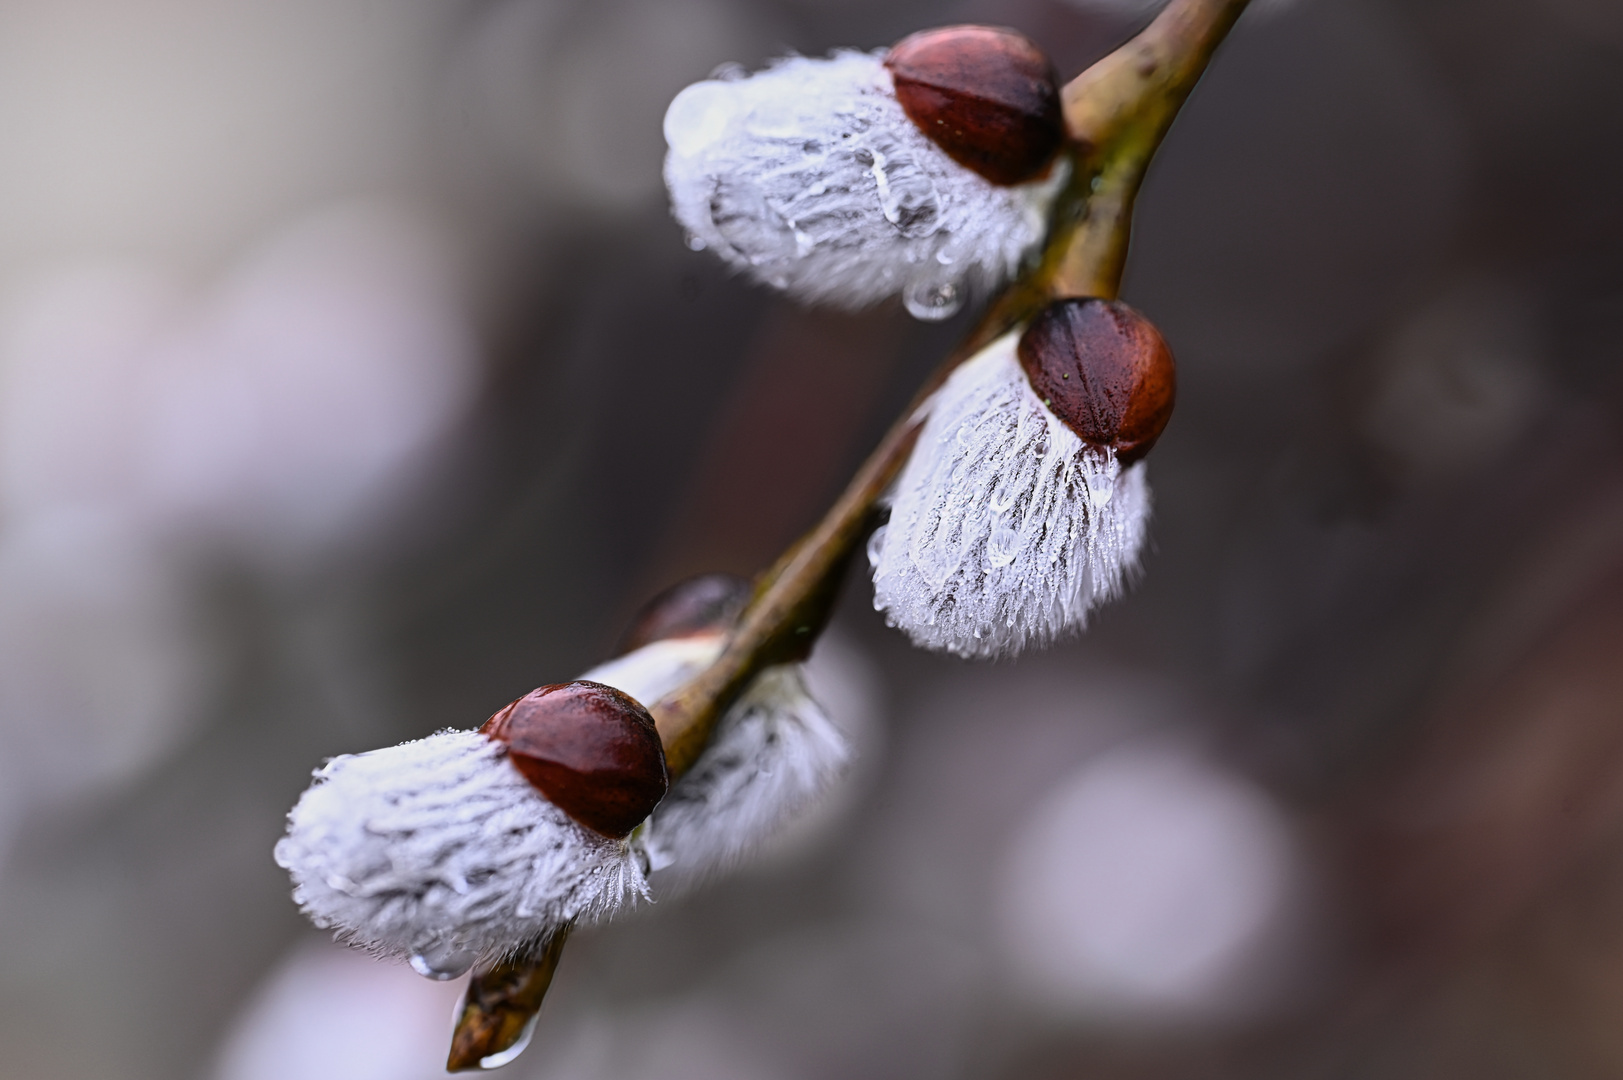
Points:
point(1120, 109)
point(1117, 113)
point(1144, 83)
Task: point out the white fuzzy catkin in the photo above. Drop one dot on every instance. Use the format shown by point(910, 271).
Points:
point(441, 851)
point(771, 756)
point(654, 670)
point(809, 177)
point(1006, 528)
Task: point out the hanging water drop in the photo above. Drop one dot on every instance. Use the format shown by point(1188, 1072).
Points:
point(1004, 543)
point(442, 962)
point(1101, 486)
point(699, 116)
point(1003, 497)
point(522, 1043)
point(876, 544)
point(932, 301)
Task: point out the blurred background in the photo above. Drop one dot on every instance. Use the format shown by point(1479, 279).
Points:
point(354, 381)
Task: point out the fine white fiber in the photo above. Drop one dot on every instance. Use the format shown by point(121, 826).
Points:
point(1006, 529)
point(809, 177)
point(440, 851)
point(772, 755)
point(656, 669)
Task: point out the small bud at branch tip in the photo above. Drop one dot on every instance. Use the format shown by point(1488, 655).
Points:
point(704, 604)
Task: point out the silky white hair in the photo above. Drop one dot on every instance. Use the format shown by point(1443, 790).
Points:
point(772, 754)
point(809, 177)
point(1006, 529)
point(441, 851)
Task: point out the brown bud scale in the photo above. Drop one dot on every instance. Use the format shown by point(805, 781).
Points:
point(1104, 370)
point(590, 749)
point(986, 96)
point(709, 603)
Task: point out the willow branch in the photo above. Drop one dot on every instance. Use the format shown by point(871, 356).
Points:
point(500, 1006)
point(1122, 107)
point(1117, 112)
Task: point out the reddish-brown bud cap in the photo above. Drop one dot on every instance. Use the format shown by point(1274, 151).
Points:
point(700, 605)
point(1104, 369)
point(591, 750)
point(986, 96)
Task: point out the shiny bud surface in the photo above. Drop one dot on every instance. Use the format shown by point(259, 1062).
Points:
point(709, 603)
point(986, 96)
point(1104, 370)
point(591, 750)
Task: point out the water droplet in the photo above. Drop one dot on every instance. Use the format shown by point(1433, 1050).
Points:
point(522, 1043)
point(932, 301)
point(695, 242)
point(699, 116)
point(1004, 544)
point(1008, 489)
point(442, 962)
point(907, 196)
point(876, 546)
point(284, 853)
point(1101, 486)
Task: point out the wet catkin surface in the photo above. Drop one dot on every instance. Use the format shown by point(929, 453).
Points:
point(355, 381)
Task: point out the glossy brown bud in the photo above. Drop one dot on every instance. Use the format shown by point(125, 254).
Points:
point(985, 95)
point(706, 604)
point(591, 750)
point(1103, 369)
